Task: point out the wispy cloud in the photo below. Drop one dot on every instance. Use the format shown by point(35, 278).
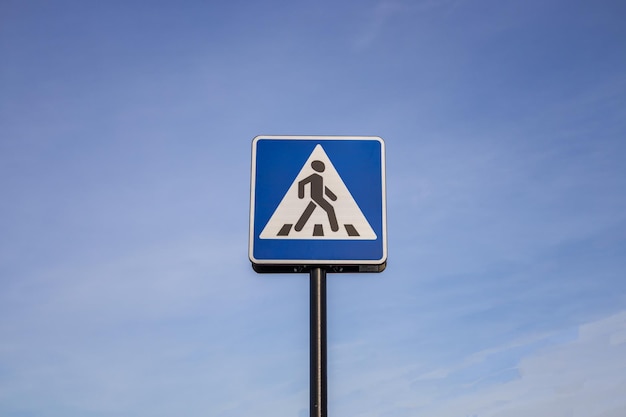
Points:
point(560, 373)
point(386, 11)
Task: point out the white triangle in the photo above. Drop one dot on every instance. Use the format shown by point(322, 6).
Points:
point(351, 222)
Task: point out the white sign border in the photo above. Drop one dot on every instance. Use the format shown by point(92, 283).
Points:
point(380, 261)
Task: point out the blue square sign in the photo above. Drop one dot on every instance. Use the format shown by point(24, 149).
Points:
point(318, 201)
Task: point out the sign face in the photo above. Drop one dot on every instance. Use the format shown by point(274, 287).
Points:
point(318, 201)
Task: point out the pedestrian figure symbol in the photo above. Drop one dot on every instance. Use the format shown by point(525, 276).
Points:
point(317, 191)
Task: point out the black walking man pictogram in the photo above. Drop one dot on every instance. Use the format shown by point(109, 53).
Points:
point(317, 195)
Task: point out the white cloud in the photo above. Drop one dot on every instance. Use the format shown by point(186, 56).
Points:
point(385, 11)
point(585, 377)
point(551, 375)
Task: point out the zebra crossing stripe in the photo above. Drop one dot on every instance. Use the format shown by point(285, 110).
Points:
point(351, 230)
point(318, 230)
point(284, 231)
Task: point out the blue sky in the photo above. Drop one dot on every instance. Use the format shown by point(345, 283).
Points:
point(125, 146)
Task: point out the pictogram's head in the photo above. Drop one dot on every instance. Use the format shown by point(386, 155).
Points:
point(318, 166)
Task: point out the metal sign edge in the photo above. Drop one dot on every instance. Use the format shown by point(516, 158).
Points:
point(294, 262)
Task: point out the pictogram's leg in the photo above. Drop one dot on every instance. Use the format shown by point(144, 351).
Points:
point(305, 216)
point(330, 211)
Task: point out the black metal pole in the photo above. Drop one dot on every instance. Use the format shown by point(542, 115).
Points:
point(318, 343)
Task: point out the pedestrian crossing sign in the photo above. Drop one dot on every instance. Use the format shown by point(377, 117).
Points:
point(318, 201)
